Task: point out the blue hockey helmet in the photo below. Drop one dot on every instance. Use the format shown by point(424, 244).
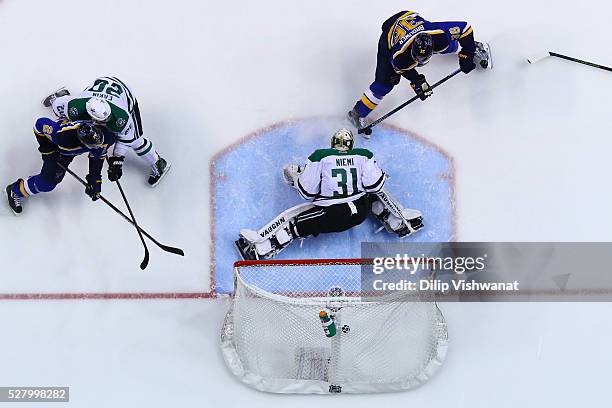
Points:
point(90, 135)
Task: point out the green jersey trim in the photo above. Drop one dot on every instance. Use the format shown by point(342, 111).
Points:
point(320, 154)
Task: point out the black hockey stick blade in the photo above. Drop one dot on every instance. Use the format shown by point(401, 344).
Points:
point(145, 260)
point(166, 248)
point(368, 129)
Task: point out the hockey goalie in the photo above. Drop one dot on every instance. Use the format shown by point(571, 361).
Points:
point(343, 186)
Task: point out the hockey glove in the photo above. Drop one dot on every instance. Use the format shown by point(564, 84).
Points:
point(421, 87)
point(93, 187)
point(115, 167)
point(291, 173)
point(466, 61)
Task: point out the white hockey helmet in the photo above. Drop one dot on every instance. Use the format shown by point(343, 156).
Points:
point(98, 109)
point(342, 140)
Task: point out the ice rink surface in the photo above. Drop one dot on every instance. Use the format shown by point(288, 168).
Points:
point(530, 147)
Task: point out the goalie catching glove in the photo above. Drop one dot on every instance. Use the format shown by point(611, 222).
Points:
point(291, 173)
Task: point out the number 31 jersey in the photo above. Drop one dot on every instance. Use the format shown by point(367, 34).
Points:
point(334, 176)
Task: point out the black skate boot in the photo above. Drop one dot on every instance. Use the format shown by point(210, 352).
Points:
point(158, 172)
point(355, 119)
point(48, 101)
point(246, 249)
point(13, 200)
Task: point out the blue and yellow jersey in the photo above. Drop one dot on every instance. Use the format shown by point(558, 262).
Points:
point(403, 27)
point(61, 136)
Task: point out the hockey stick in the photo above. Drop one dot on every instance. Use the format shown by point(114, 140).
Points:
point(368, 129)
point(173, 250)
point(145, 260)
point(540, 57)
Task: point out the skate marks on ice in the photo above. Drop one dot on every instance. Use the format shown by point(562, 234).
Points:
point(247, 189)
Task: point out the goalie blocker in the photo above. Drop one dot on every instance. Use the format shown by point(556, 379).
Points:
point(344, 185)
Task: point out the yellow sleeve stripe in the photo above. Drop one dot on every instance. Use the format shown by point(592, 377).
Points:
point(399, 71)
point(406, 14)
point(46, 136)
point(67, 149)
point(368, 103)
point(468, 32)
point(64, 129)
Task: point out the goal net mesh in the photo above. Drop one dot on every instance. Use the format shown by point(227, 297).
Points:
point(273, 339)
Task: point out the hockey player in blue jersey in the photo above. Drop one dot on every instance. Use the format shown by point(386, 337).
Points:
point(408, 41)
point(59, 143)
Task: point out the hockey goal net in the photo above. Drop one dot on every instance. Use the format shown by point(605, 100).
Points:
point(273, 337)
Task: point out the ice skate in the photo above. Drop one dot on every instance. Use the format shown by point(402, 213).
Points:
point(48, 101)
point(14, 201)
point(159, 170)
point(483, 56)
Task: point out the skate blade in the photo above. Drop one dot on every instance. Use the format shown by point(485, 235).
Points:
point(45, 101)
point(241, 252)
point(488, 49)
point(168, 167)
point(11, 208)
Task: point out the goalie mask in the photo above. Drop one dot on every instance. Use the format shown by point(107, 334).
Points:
point(90, 135)
point(422, 49)
point(342, 140)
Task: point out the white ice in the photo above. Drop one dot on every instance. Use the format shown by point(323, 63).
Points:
point(530, 143)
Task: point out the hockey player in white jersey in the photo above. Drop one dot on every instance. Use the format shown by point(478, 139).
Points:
point(342, 185)
point(109, 101)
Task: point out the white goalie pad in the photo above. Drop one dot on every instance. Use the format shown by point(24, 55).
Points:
point(272, 238)
point(280, 222)
point(394, 217)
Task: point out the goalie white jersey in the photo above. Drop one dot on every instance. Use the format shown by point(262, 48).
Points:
point(334, 176)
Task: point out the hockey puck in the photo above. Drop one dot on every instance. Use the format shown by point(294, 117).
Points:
point(367, 131)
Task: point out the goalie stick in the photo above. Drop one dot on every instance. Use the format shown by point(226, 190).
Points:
point(540, 57)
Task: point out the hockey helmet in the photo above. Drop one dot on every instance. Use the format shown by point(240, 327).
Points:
point(422, 48)
point(90, 135)
point(342, 140)
point(98, 109)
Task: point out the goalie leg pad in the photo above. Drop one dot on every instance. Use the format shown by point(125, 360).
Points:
point(394, 217)
point(272, 237)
